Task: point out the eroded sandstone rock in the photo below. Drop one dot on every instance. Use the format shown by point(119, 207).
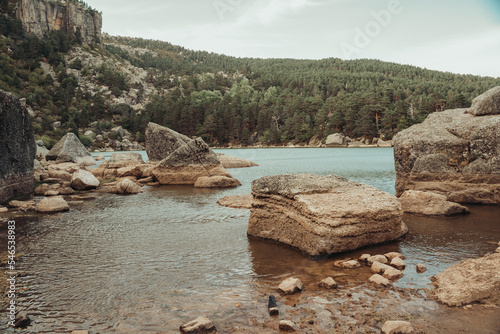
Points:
point(323, 214)
point(429, 204)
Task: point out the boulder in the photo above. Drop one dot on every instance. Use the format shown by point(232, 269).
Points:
point(487, 103)
point(391, 255)
point(237, 201)
point(469, 281)
point(234, 162)
point(453, 153)
point(41, 152)
point(398, 263)
point(429, 204)
point(52, 204)
point(392, 273)
point(70, 149)
point(200, 325)
point(216, 182)
point(397, 327)
point(379, 280)
point(379, 268)
point(17, 148)
point(182, 160)
point(323, 214)
point(377, 258)
point(120, 165)
point(84, 180)
point(364, 257)
point(127, 187)
point(328, 283)
point(336, 139)
point(352, 264)
point(290, 286)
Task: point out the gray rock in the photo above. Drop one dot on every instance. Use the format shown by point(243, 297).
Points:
point(452, 153)
point(126, 157)
point(17, 148)
point(41, 152)
point(487, 103)
point(200, 325)
point(161, 142)
point(397, 327)
point(323, 214)
point(336, 139)
point(70, 149)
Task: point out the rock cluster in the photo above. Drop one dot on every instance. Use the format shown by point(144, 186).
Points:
point(17, 148)
point(323, 214)
point(181, 160)
point(455, 153)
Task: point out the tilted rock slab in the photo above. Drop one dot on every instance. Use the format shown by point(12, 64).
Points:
point(323, 214)
point(17, 148)
point(472, 280)
point(70, 149)
point(182, 160)
point(453, 153)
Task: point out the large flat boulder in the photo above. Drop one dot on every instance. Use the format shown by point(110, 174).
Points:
point(453, 153)
point(323, 214)
point(70, 149)
point(470, 281)
point(234, 162)
point(17, 148)
point(183, 160)
point(429, 204)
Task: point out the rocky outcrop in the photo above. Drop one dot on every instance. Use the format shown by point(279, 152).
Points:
point(472, 280)
point(70, 149)
point(17, 148)
point(453, 153)
point(337, 140)
point(40, 17)
point(323, 214)
point(182, 160)
point(429, 204)
point(234, 162)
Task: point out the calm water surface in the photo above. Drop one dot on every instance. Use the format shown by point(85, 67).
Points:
point(153, 261)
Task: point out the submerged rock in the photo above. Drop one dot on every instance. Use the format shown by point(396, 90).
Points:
point(200, 325)
point(469, 281)
point(17, 148)
point(70, 149)
point(234, 162)
point(323, 214)
point(237, 201)
point(421, 268)
point(429, 204)
point(453, 153)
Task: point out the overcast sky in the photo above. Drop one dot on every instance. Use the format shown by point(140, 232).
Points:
point(459, 36)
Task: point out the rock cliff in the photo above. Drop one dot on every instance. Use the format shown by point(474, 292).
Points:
point(17, 148)
point(454, 153)
point(40, 17)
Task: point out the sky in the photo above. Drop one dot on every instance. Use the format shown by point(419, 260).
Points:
point(459, 36)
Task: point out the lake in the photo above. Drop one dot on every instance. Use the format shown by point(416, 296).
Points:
point(153, 261)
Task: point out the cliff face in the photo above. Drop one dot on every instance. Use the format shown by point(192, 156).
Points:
point(17, 148)
point(40, 17)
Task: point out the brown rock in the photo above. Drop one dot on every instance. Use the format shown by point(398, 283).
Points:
point(392, 255)
point(22, 205)
point(120, 165)
point(398, 263)
point(378, 258)
point(328, 283)
point(216, 182)
point(421, 268)
point(472, 280)
point(352, 264)
point(379, 280)
point(52, 204)
point(234, 162)
point(200, 325)
point(84, 180)
point(429, 204)
point(364, 257)
point(392, 273)
point(323, 214)
point(290, 286)
point(127, 187)
point(287, 326)
point(237, 201)
point(379, 268)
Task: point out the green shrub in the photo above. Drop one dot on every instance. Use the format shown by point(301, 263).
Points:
point(48, 142)
point(86, 140)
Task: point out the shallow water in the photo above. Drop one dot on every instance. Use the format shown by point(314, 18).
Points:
point(153, 261)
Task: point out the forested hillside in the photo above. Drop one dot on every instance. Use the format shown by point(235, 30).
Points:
point(72, 86)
